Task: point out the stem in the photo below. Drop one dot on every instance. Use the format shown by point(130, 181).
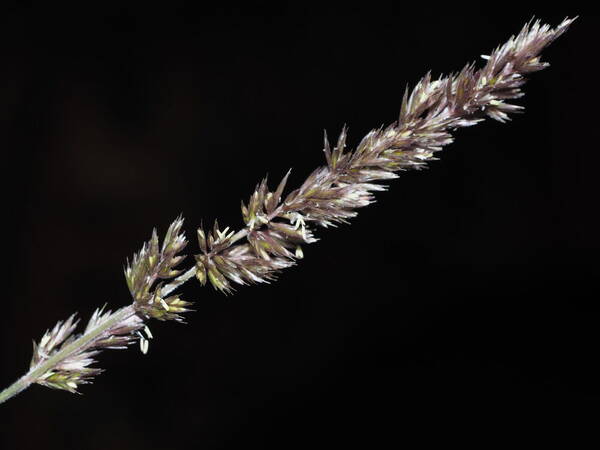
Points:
point(77, 345)
point(20, 385)
point(168, 288)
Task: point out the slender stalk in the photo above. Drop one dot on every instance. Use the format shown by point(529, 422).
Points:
point(20, 385)
point(79, 344)
point(180, 280)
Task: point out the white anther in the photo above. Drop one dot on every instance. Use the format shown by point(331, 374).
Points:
point(144, 344)
point(223, 234)
point(147, 330)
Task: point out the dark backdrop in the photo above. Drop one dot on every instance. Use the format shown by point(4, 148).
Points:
point(464, 299)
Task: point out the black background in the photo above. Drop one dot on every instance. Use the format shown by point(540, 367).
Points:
point(464, 300)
